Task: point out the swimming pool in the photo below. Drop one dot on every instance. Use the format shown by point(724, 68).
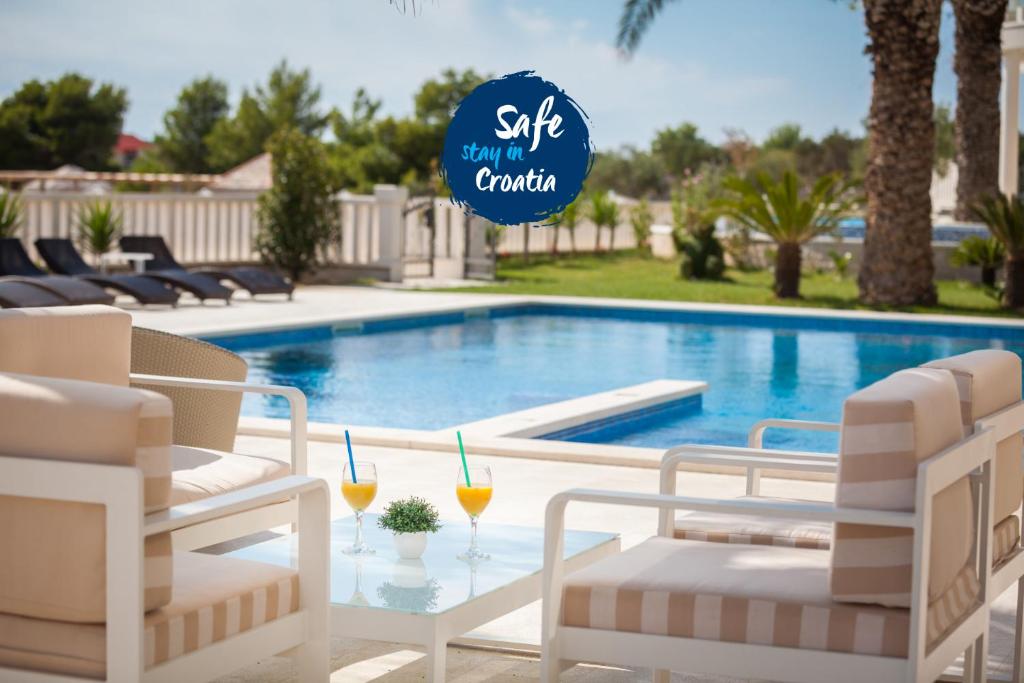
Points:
point(437, 371)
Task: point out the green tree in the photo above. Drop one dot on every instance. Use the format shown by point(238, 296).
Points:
point(786, 137)
point(289, 99)
point(945, 138)
point(682, 149)
point(358, 156)
point(183, 144)
point(437, 98)
point(789, 217)
point(570, 218)
point(298, 216)
point(66, 121)
point(10, 213)
point(629, 172)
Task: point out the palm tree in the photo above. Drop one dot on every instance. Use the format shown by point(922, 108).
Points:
point(604, 212)
point(903, 41)
point(977, 63)
point(570, 218)
point(986, 253)
point(99, 226)
point(1005, 220)
point(778, 210)
point(10, 213)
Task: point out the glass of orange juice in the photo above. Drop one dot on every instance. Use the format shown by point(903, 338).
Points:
point(474, 495)
point(359, 489)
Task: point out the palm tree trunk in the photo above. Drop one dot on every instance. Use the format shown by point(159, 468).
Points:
point(526, 241)
point(611, 238)
point(572, 240)
point(977, 65)
point(988, 276)
point(897, 266)
point(554, 242)
point(787, 271)
point(1013, 294)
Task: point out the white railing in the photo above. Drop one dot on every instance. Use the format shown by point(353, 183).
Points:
point(222, 228)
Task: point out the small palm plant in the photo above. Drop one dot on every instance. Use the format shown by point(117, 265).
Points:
point(604, 212)
point(986, 253)
point(641, 218)
point(789, 217)
point(10, 214)
point(1005, 220)
point(99, 226)
point(568, 219)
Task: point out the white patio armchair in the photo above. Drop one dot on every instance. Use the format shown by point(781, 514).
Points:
point(89, 585)
point(204, 382)
point(854, 613)
point(989, 386)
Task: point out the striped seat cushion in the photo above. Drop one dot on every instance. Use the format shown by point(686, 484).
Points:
point(744, 594)
point(752, 529)
point(215, 597)
point(887, 429)
point(54, 560)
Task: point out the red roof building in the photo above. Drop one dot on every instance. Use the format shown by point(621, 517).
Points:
point(128, 147)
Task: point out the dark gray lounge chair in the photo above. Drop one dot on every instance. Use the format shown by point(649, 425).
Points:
point(61, 257)
point(254, 280)
point(15, 262)
point(163, 267)
point(19, 294)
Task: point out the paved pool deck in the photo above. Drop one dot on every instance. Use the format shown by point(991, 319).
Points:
point(526, 472)
point(522, 489)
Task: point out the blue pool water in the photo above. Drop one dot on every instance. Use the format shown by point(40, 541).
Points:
point(941, 232)
point(440, 371)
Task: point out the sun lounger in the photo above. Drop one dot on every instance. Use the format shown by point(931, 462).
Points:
point(62, 258)
point(19, 294)
point(202, 287)
point(254, 280)
point(15, 262)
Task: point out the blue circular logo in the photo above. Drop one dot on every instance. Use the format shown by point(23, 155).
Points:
point(517, 150)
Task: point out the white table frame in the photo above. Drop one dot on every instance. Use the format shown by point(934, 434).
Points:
point(434, 631)
point(136, 258)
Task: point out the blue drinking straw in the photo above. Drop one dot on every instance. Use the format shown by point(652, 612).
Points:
point(351, 460)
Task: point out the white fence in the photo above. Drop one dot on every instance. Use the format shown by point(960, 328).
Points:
point(378, 231)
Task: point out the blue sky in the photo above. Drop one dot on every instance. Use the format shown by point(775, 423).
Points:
point(739, 63)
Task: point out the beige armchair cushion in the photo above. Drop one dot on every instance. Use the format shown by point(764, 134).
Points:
point(53, 564)
point(753, 529)
point(989, 380)
point(201, 472)
point(215, 598)
point(887, 429)
point(761, 595)
point(91, 343)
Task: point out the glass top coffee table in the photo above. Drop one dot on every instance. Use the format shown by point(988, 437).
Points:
point(437, 598)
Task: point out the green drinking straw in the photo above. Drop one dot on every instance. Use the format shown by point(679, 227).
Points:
point(462, 452)
point(351, 460)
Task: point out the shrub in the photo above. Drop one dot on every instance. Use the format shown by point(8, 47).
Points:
point(693, 232)
point(986, 253)
point(841, 262)
point(1004, 218)
point(10, 214)
point(99, 226)
point(409, 516)
point(298, 215)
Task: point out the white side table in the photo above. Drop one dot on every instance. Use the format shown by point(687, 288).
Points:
point(136, 258)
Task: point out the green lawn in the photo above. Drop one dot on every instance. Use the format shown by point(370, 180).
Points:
point(630, 276)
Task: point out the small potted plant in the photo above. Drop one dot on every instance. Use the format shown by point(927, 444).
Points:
point(410, 519)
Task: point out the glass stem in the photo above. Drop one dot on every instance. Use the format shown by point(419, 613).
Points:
point(359, 529)
point(472, 537)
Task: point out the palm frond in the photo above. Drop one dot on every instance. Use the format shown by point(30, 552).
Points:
point(636, 18)
point(1004, 218)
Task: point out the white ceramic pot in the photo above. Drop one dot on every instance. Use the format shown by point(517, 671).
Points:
point(410, 546)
